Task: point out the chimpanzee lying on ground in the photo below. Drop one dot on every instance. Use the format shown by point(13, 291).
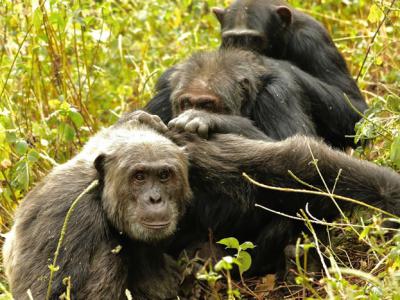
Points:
point(224, 202)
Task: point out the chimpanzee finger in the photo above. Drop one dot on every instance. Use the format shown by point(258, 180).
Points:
point(192, 126)
point(171, 124)
point(159, 123)
point(181, 121)
point(203, 130)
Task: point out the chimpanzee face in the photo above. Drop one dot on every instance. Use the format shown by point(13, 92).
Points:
point(216, 82)
point(146, 188)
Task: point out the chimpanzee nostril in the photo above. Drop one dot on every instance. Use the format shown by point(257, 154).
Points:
point(155, 198)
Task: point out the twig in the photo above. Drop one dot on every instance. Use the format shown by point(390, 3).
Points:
point(52, 267)
point(385, 15)
point(316, 221)
point(301, 191)
point(315, 163)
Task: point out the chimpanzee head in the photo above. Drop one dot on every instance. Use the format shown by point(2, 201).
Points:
point(220, 82)
point(145, 184)
point(256, 25)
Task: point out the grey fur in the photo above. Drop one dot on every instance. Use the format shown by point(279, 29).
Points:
point(103, 220)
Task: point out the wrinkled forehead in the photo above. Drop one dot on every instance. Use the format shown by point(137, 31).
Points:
point(211, 68)
point(146, 146)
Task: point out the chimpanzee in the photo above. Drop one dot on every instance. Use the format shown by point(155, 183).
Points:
point(225, 203)
point(279, 98)
point(274, 29)
point(115, 236)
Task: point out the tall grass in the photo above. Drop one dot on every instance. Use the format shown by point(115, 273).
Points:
point(68, 68)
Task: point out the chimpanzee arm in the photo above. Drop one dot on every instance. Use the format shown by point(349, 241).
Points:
point(270, 163)
point(160, 104)
point(312, 49)
point(225, 201)
point(331, 112)
point(205, 123)
point(278, 109)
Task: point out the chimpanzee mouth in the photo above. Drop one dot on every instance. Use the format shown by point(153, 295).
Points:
point(156, 225)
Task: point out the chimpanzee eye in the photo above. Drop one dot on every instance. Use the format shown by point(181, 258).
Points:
point(208, 106)
point(245, 84)
point(164, 175)
point(185, 104)
point(139, 176)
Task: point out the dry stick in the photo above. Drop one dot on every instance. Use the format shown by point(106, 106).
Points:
point(315, 163)
point(385, 15)
point(52, 267)
point(301, 191)
point(315, 220)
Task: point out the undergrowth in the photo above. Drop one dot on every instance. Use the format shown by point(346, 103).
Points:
point(67, 68)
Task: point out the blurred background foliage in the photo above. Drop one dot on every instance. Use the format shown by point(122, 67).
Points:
point(67, 68)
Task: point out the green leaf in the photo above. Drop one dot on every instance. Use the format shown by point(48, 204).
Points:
point(247, 245)
point(37, 19)
point(68, 133)
point(76, 117)
point(244, 260)
point(65, 107)
point(230, 242)
point(364, 233)
point(11, 136)
point(375, 14)
point(224, 264)
point(393, 103)
point(21, 147)
point(2, 133)
point(22, 174)
point(33, 156)
point(395, 151)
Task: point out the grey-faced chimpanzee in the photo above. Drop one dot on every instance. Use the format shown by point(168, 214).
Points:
point(279, 98)
point(114, 240)
point(277, 30)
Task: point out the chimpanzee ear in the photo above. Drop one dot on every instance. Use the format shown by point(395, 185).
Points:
point(219, 13)
point(285, 14)
point(99, 164)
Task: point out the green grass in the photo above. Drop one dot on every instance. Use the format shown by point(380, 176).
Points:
point(68, 68)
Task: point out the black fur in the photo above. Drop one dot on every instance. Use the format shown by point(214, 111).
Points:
point(224, 201)
point(284, 100)
point(290, 35)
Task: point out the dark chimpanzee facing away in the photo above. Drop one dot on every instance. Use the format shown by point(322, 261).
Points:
point(279, 98)
point(274, 29)
point(115, 236)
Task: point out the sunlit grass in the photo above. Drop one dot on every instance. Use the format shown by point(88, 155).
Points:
point(68, 68)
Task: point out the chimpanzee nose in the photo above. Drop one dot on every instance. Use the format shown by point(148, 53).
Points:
point(155, 198)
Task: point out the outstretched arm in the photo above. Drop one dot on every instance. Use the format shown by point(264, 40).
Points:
point(270, 163)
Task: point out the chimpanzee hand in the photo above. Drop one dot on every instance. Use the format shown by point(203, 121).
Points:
point(142, 117)
point(205, 123)
point(196, 121)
